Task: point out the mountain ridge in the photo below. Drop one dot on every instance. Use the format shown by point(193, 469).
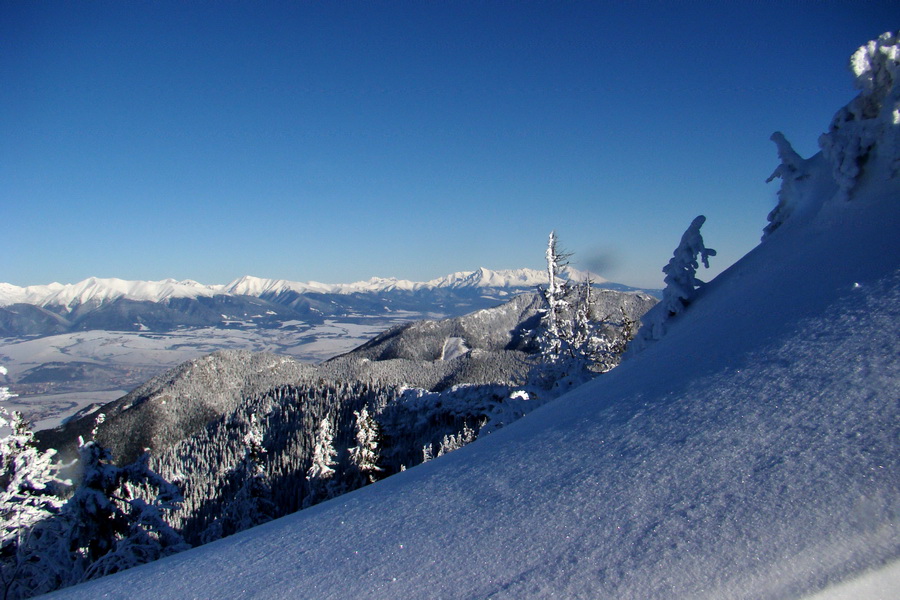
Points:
point(98, 289)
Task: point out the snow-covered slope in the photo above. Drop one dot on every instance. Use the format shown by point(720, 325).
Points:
point(752, 452)
point(99, 290)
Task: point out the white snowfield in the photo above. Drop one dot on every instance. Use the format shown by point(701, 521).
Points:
point(752, 452)
point(100, 290)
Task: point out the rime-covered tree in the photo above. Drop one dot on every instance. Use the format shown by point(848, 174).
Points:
point(455, 441)
point(320, 476)
point(30, 495)
point(681, 272)
point(575, 344)
point(5, 394)
point(793, 169)
point(115, 515)
point(251, 503)
point(30, 485)
point(555, 298)
point(364, 456)
point(681, 282)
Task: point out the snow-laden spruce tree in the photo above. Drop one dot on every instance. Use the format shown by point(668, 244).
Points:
point(320, 475)
point(681, 283)
point(30, 483)
point(455, 441)
point(866, 130)
point(31, 491)
point(364, 456)
point(793, 169)
point(114, 519)
point(251, 495)
point(575, 344)
point(555, 297)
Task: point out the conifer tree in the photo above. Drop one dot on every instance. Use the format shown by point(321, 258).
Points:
point(555, 298)
point(115, 514)
point(251, 504)
point(681, 280)
point(320, 475)
point(365, 455)
point(30, 496)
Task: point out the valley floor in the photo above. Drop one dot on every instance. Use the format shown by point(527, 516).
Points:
point(55, 376)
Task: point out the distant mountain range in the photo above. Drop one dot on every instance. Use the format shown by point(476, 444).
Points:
point(120, 305)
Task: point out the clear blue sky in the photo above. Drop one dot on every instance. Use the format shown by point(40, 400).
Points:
point(334, 141)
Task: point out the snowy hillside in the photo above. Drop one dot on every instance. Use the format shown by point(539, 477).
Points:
point(751, 452)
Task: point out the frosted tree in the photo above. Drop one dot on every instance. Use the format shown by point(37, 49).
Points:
point(5, 394)
point(365, 455)
point(456, 441)
point(870, 120)
point(30, 484)
point(30, 495)
point(681, 283)
point(681, 272)
point(574, 344)
point(555, 297)
point(115, 515)
point(251, 504)
point(793, 168)
point(320, 475)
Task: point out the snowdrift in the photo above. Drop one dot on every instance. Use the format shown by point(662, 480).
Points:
point(752, 452)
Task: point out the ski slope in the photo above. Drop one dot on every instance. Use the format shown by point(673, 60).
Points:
point(752, 452)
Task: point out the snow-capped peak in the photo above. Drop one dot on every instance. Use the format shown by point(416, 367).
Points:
point(99, 290)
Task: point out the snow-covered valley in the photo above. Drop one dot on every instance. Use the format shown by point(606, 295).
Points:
point(52, 382)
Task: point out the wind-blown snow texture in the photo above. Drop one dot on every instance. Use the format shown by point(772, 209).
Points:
point(751, 453)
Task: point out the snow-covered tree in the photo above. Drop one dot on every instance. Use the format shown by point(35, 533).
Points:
point(30, 495)
point(5, 394)
point(793, 169)
point(365, 455)
point(681, 282)
point(681, 272)
point(869, 122)
point(555, 297)
point(321, 473)
point(115, 515)
point(575, 344)
point(30, 484)
point(251, 502)
point(455, 441)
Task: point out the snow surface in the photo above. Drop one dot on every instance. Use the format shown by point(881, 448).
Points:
point(752, 452)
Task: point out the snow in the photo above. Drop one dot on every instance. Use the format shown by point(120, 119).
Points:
point(100, 290)
point(454, 347)
point(753, 452)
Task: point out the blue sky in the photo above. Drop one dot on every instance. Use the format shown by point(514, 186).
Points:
point(336, 141)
